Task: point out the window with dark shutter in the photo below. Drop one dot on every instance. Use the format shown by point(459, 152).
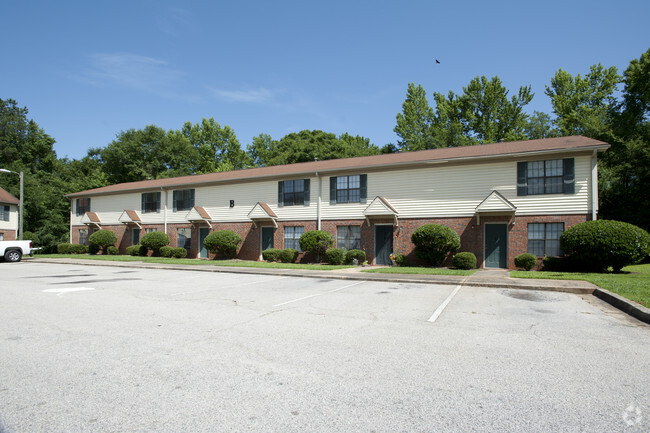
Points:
point(293, 192)
point(555, 176)
point(83, 206)
point(349, 189)
point(150, 202)
point(183, 199)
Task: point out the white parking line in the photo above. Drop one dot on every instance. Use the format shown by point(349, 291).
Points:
point(446, 302)
point(61, 291)
point(319, 294)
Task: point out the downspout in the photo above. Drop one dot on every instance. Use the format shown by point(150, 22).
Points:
point(318, 202)
point(594, 185)
point(165, 209)
point(70, 234)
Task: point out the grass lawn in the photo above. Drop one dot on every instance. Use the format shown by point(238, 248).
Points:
point(231, 263)
point(633, 282)
point(421, 271)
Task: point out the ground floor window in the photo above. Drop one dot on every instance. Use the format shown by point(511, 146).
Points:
point(348, 237)
point(83, 236)
point(544, 239)
point(184, 238)
point(150, 230)
point(2, 236)
point(292, 237)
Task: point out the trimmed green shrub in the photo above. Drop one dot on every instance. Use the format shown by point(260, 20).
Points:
point(93, 249)
point(288, 255)
point(63, 248)
point(154, 241)
point(165, 251)
point(526, 261)
point(179, 253)
point(78, 249)
point(133, 250)
point(316, 242)
point(597, 245)
point(360, 255)
point(112, 250)
point(464, 260)
point(556, 264)
point(271, 254)
point(103, 239)
point(334, 256)
point(401, 260)
point(223, 242)
point(433, 242)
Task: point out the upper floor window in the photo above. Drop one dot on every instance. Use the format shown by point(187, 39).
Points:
point(150, 202)
point(4, 213)
point(555, 176)
point(293, 192)
point(348, 189)
point(183, 199)
point(83, 206)
point(544, 239)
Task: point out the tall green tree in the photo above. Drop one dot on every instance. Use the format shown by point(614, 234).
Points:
point(541, 125)
point(305, 146)
point(414, 122)
point(583, 105)
point(217, 147)
point(149, 153)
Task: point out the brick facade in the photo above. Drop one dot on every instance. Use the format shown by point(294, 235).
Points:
point(471, 234)
point(8, 235)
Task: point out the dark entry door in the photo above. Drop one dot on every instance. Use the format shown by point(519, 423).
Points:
point(267, 238)
point(203, 232)
point(496, 245)
point(383, 244)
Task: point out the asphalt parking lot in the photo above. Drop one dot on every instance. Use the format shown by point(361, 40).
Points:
point(103, 349)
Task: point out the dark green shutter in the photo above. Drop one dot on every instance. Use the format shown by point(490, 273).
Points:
point(143, 211)
point(568, 166)
point(191, 199)
point(522, 182)
point(175, 200)
point(280, 193)
point(5, 215)
point(306, 191)
point(363, 189)
point(158, 202)
point(333, 190)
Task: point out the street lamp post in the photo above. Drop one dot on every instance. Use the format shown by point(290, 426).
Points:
point(20, 202)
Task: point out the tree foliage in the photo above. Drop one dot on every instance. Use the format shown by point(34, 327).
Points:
point(216, 147)
point(414, 122)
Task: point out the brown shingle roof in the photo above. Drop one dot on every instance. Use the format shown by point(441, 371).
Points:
point(133, 215)
point(202, 212)
point(93, 217)
point(5, 197)
point(267, 209)
point(576, 142)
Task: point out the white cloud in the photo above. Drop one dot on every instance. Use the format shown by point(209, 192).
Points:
point(259, 96)
point(134, 72)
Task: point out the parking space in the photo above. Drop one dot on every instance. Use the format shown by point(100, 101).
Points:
point(89, 348)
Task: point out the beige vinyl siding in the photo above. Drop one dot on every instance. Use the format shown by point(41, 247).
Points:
point(12, 224)
point(438, 190)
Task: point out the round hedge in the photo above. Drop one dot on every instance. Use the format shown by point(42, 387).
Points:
point(360, 255)
point(464, 260)
point(316, 242)
point(112, 250)
point(334, 256)
point(433, 242)
point(271, 254)
point(597, 245)
point(166, 251)
point(155, 241)
point(526, 261)
point(179, 253)
point(288, 255)
point(134, 250)
point(223, 242)
point(103, 239)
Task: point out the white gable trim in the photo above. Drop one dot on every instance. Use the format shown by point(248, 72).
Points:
point(495, 203)
point(380, 207)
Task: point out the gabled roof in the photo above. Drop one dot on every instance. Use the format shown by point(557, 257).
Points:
point(432, 156)
point(495, 202)
point(380, 207)
point(6, 197)
point(198, 213)
point(90, 218)
point(262, 211)
point(129, 216)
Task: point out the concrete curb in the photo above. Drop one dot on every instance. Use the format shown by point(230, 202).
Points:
point(625, 305)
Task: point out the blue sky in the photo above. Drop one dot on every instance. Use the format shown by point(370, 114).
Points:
point(88, 70)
